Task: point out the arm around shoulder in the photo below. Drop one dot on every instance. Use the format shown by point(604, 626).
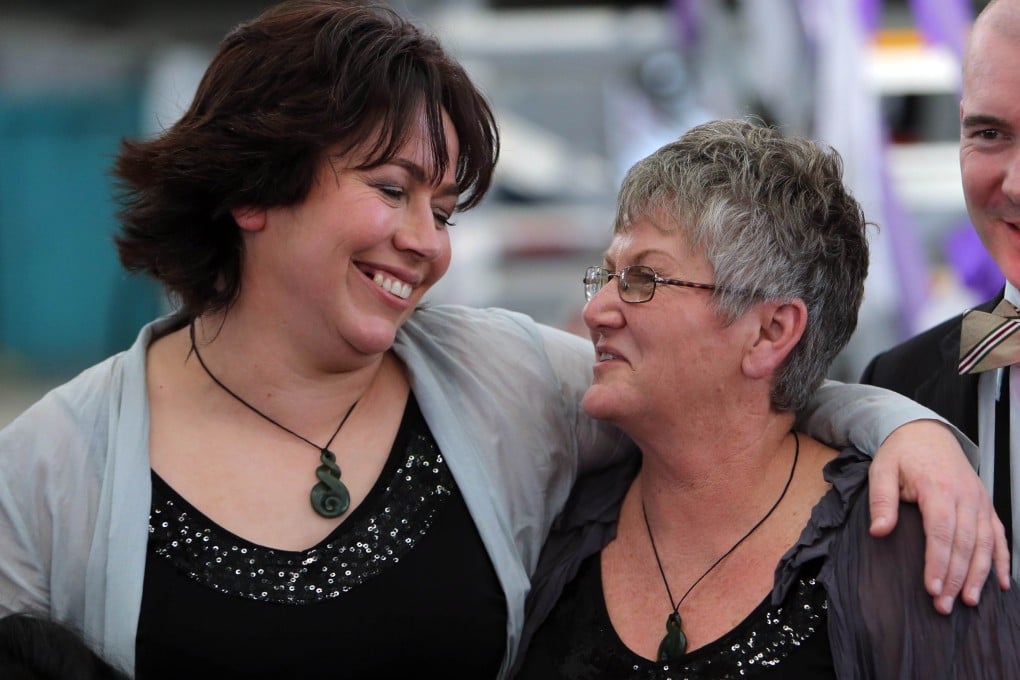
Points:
point(842, 414)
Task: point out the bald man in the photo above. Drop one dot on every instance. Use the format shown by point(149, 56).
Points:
point(974, 388)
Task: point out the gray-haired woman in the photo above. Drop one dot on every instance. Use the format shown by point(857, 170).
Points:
point(742, 548)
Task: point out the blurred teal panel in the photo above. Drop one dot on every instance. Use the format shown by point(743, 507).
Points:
point(65, 303)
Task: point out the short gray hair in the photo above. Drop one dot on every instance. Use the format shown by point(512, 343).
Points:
point(773, 218)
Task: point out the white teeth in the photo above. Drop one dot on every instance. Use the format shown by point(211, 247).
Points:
point(606, 356)
point(398, 288)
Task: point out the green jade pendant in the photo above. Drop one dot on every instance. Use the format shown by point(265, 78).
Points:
point(674, 645)
point(330, 497)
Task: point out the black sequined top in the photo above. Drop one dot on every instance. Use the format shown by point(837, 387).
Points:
point(578, 641)
point(403, 585)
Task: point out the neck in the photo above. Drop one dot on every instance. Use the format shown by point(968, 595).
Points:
point(272, 373)
point(308, 344)
point(747, 466)
point(720, 447)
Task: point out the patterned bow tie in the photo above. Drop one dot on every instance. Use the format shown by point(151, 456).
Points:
point(989, 340)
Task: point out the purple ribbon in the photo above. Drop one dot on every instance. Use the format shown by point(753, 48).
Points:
point(686, 17)
point(943, 22)
point(870, 12)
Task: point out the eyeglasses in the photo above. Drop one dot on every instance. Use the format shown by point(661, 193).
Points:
point(637, 282)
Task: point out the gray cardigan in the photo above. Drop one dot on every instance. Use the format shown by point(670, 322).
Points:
point(500, 393)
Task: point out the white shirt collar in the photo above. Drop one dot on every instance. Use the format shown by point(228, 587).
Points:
point(1012, 294)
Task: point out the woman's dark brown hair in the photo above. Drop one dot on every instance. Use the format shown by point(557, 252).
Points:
point(302, 78)
point(34, 647)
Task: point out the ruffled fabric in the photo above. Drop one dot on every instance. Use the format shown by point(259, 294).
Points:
point(848, 475)
point(881, 621)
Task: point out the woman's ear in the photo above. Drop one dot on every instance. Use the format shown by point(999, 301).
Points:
point(781, 326)
point(250, 219)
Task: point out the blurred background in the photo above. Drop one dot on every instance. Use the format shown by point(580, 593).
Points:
point(582, 90)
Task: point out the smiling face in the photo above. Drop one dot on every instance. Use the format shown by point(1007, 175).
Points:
point(989, 128)
point(352, 260)
point(670, 354)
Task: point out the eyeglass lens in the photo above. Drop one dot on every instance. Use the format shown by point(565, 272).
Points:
point(636, 284)
point(594, 279)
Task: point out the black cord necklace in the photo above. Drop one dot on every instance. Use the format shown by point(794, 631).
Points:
point(329, 497)
point(674, 644)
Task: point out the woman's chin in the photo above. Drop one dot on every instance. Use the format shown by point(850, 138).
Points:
point(374, 338)
point(599, 403)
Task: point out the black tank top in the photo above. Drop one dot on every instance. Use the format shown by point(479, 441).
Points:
point(402, 588)
point(578, 642)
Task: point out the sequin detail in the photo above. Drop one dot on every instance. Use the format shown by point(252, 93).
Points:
point(579, 641)
point(373, 539)
point(762, 641)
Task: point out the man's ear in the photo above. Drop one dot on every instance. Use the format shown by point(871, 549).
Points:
point(250, 219)
point(781, 326)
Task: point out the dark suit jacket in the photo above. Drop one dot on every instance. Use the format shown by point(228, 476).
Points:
point(924, 369)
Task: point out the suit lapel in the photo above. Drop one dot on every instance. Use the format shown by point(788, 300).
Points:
point(948, 393)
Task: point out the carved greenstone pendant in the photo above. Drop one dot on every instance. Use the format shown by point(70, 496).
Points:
point(674, 645)
point(329, 497)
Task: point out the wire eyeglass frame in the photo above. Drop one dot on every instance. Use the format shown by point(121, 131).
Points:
point(637, 282)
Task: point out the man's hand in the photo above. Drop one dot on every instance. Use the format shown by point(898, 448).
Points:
point(921, 462)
